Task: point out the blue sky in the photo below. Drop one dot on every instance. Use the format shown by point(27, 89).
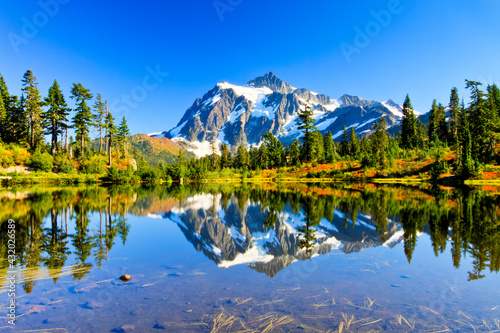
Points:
point(423, 48)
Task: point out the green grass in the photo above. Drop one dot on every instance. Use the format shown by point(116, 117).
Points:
point(51, 178)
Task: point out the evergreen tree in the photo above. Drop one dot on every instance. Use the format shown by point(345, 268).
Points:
point(4, 91)
point(306, 122)
point(294, 153)
point(4, 112)
point(263, 157)
point(100, 117)
point(481, 121)
point(56, 116)
point(83, 119)
point(13, 125)
point(344, 143)
point(461, 133)
point(466, 160)
point(353, 143)
point(329, 148)
point(454, 115)
point(3, 118)
point(494, 105)
point(274, 149)
point(225, 158)
point(110, 134)
point(17, 126)
point(241, 160)
point(420, 132)
point(364, 145)
point(432, 132)
point(317, 146)
point(379, 141)
point(122, 135)
point(254, 158)
point(408, 129)
point(494, 97)
point(181, 165)
point(441, 125)
point(32, 106)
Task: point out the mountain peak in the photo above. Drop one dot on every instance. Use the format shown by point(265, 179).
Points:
point(271, 81)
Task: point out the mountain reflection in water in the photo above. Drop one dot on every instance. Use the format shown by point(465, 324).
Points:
point(265, 227)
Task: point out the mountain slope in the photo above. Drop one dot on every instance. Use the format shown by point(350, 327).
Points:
point(156, 149)
point(241, 115)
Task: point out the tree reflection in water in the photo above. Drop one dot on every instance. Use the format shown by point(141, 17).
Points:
point(54, 225)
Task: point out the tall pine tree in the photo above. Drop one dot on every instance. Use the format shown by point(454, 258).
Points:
point(353, 143)
point(100, 117)
point(294, 153)
point(32, 106)
point(110, 134)
point(408, 128)
point(225, 158)
point(454, 116)
point(379, 141)
point(344, 143)
point(5, 109)
point(494, 105)
point(441, 125)
point(306, 124)
point(122, 135)
point(56, 116)
point(432, 132)
point(83, 119)
point(241, 160)
point(3, 118)
point(329, 148)
point(481, 121)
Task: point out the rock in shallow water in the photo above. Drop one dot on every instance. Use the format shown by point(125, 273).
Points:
point(125, 278)
point(125, 329)
point(93, 305)
point(55, 320)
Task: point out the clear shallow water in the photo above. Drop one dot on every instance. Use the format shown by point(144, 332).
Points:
point(254, 259)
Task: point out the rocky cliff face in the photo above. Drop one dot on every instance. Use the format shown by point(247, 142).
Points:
point(241, 115)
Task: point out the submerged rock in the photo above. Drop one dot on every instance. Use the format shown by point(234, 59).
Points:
point(93, 305)
point(125, 329)
point(162, 325)
point(55, 320)
point(176, 274)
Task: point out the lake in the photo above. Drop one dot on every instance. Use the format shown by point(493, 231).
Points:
point(251, 258)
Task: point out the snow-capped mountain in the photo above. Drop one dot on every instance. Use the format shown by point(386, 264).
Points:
point(237, 234)
point(238, 115)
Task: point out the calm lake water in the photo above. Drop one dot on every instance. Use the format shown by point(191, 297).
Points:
point(247, 258)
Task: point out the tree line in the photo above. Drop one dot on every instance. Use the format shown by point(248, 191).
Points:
point(26, 120)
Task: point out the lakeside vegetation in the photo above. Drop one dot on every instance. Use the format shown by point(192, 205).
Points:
point(458, 144)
